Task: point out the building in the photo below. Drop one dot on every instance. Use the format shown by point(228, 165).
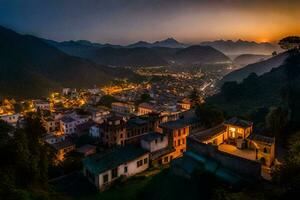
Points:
point(122, 107)
point(68, 124)
point(146, 108)
point(185, 104)
point(158, 146)
point(53, 139)
point(137, 127)
point(114, 131)
point(51, 125)
point(235, 137)
point(11, 119)
point(104, 169)
point(62, 148)
point(87, 150)
point(238, 130)
point(42, 105)
point(264, 148)
point(177, 132)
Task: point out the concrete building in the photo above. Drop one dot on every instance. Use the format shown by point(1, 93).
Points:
point(177, 132)
point(114, 131)
point(11, 119)
point(103, 170)
point(122, 107)
point(158, 146)
point(42, 105)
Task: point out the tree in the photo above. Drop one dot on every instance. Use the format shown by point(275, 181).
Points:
point(194, 97)
point(288, 174)
point(274, 53)
point(107, 100)
point(209, 116)
point(145, 97)
point(290, 43)
point(276, 121)
point(230, 90)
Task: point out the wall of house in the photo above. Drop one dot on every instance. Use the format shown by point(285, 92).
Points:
point(132, 169)
point(155, 145)
point(246, 168)
point(179, 141)
point(217, 140)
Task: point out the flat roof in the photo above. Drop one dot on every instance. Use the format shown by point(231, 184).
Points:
point(152, 136)
point(209, 133)
point(99, 163)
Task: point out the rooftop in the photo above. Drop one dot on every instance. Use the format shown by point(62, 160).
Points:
point(238, 122)
point(102, 162)
point(67, 119)
point(152, 136)
point(209, 133)
point(63, 144)
point(261, 138)
point(180, 123)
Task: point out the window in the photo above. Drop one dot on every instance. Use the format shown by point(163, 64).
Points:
point(178, 141)
point(139, 163)
point(125, 169)
point(105, 178)
point(145, 160)
point(166, 159)
point(114, 173)
point(265, 150)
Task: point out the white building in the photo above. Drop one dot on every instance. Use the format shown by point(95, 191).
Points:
point(154, 141)
point(68, 125)
point(103, 170)
point(42, 105)
point(10, 119)
point(53, 139)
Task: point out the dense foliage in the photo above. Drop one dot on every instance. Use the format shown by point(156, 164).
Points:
point(25, 160)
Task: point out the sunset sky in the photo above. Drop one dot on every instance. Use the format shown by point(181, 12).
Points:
point(127, 21)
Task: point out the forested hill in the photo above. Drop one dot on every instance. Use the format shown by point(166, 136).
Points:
point(280, 86)
point(31, 68)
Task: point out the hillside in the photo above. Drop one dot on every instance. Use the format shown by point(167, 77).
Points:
point(258, 68)
point(238, 47)
point(199, 55)
point(169, 42)
point(142, 53)
point(257, 92)
point(31, 68)
point(246, 59)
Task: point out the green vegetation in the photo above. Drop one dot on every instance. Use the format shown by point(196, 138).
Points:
point(24, 168)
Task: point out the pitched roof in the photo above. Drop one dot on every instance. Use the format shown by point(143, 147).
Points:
point(102, 162)
point(238, 122)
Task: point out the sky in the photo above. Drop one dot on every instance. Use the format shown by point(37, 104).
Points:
point(128, 21)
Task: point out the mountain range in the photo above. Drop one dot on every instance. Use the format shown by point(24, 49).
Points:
point(258, 68)
point(32, 68)
point(137, 55)
point(238, 47)
point(256, 94)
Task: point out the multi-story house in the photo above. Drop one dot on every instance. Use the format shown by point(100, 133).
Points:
point(113, 131)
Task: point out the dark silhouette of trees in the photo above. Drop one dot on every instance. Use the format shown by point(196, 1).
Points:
point(290, 43)
point(209, 116)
